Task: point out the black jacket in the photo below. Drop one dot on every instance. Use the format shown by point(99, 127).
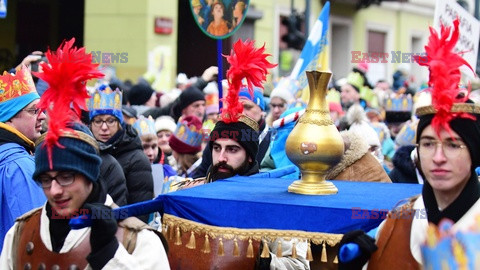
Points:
point(404, 169)
point(114, 180)
point(126, 147)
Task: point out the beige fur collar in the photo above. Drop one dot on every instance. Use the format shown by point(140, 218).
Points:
point(356, 148)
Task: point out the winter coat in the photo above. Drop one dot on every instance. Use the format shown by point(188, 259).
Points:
point(19, 192)
point(111, 173)
point(404, 168)
point(357, 163)
point(127, 149)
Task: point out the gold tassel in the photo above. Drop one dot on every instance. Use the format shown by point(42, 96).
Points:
point(309, 253)
point(164, 229)
point(294, 250)
point(279, 249)
point(171, 232)
point(265, 250)
point(250, 249)
point(178, 240)
point(236, 251)
point(324, 253)
point(191, 244)
point(221, 251)
point(206, 245)
point(336, 259)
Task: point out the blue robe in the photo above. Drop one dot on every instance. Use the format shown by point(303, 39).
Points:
point(20, 193)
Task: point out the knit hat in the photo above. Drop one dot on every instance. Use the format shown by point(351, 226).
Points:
point(245, 132)
point(139, 94)
point(257, 97)
point(451, 109)
point(211, 104)
point(129, 111)
point(165, 122)
point(144, 126)
point(282, 93)
point(356, 80)
point(106, 101)
point(78, 153)
point(187, 138)
point(187, 97)
point(16, 92)
point(68, 144)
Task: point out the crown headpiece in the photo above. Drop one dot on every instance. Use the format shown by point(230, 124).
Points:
point(448, 99)
point(145, 126)
point(104, 100)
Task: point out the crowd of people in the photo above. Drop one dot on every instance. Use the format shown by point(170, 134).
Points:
point(130, 143)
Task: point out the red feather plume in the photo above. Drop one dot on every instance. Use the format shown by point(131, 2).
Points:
point(249, 63)
point(66, 73)
point(444, 80)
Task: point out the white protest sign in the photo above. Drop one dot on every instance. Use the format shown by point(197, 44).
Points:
point(446, 11)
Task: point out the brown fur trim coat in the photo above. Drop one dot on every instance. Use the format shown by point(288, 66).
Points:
point(357, 163)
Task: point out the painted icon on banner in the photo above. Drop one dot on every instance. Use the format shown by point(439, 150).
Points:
point(219, 19)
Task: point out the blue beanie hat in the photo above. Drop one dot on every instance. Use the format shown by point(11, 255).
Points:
point(257, 96)
point(79, 154)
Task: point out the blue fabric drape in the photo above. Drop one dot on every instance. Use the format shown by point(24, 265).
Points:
point(265, 203)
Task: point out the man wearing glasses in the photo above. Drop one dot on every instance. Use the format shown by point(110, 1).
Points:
point(20, 125)
point(447, 140)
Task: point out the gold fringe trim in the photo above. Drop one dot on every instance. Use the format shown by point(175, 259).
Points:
point(294, 250)
point(279, 248)
point(236, 251)
point(206, 245)
point(171, 232)
point(178, 239)
point(336, 259)
point(191, 243)
point(309, 253)
point(221, 251)
point(250, 249)
point(245, 234)
point(324, 253)
point(265, 250)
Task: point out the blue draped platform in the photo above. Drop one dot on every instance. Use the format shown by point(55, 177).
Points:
point(265, 203)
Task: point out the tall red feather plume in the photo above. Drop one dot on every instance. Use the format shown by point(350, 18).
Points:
point(246, 62)
point(445, 76)
point(66, 73)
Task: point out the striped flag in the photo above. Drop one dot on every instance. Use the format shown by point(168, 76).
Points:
point(314, 54)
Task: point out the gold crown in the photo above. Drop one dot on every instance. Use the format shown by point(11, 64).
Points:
point(456, 108)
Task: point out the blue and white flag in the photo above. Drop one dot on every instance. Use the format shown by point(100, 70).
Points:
point(3, 9)
point(315, 46)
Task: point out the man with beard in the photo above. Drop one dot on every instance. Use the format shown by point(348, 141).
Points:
point(234, 147)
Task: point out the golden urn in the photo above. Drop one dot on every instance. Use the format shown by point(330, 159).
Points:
point(315, 145)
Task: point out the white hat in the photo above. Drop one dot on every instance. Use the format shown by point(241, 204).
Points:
point(282, 93)
point(182, 78)
point(211, 88)
point(165, 123)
